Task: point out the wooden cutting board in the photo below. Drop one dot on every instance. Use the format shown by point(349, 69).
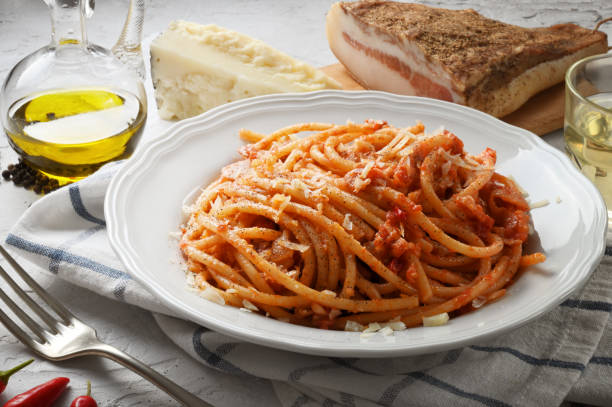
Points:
point(541, 114)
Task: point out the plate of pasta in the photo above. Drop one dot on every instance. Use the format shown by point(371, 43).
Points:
point(358, 224)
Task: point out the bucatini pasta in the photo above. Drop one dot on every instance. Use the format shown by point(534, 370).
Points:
point(337, 226)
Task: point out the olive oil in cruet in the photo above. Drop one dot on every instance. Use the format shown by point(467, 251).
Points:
point(71, 107)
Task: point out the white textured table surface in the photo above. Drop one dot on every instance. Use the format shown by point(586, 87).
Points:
point(293, 26)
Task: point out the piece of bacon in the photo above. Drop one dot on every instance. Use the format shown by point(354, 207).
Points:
point(454, 55)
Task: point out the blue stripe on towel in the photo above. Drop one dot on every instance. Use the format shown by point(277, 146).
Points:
point(56, 256)
point(601, 360)
point(297, 374)
point(387, 398)
point(79, 207)
point(588, 305)
point(216, 360)
point(119, 290)
point(530, 359)
point(390, 394)
point(487, 401)
point(65, 256)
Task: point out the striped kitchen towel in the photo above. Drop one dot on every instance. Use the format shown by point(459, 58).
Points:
point(563, 357)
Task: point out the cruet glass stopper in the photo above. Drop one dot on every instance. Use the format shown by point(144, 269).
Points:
point(72, 106)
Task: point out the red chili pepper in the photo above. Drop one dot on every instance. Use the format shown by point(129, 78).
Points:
point(86, 400)
point(5, 376)
point(40, 396)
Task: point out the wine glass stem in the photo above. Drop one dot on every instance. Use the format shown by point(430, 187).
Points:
point(67, 22)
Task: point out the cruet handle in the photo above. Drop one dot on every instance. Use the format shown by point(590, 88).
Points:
point(127, 49)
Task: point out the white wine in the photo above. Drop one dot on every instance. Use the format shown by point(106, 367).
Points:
point(68, 134)
point(588, 138)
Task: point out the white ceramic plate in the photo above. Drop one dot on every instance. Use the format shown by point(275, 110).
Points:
point(144, 200)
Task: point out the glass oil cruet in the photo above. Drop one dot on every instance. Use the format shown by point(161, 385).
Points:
point(71, 106)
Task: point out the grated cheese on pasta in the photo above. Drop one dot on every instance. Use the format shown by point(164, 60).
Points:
point(293, 246)
point(211, 295)
point(436, 320)
point(539, 204)
point(347, 224)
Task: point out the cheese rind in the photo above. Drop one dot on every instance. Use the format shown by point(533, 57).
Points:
point(197, 67)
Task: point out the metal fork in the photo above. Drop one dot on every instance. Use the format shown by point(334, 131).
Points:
point(68, 337)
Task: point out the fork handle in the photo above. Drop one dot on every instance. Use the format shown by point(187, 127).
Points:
point(174, 390)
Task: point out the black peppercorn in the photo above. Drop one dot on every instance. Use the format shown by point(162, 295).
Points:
point(28, 177)
point(28, 183)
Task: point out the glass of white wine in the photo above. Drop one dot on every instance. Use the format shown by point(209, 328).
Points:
point(588, 122)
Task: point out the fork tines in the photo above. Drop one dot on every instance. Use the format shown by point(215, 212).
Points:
point(36, 328)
